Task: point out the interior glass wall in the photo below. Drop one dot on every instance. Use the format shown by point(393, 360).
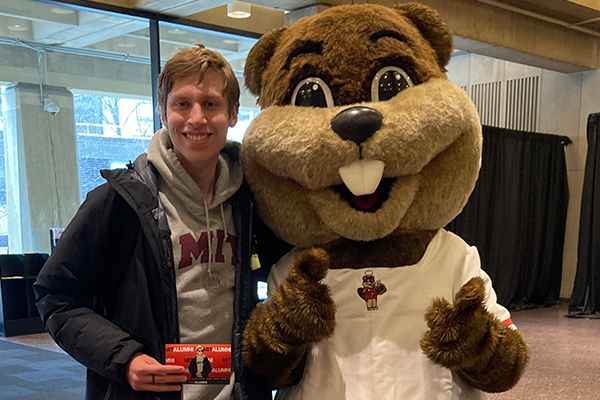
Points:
point(77, 98)
point(3, 215)
point(111, 132)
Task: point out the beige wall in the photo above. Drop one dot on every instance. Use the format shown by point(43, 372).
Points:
point(566, 100)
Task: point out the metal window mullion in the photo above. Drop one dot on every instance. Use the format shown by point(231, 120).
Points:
point(155, 70)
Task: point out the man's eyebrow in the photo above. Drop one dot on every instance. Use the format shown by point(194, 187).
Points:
point(388, 33)
point(178, 97)
point(306, 48)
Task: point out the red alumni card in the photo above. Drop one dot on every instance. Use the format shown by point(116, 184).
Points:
point(205, 363)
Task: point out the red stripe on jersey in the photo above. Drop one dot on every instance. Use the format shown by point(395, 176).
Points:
point(508, 322)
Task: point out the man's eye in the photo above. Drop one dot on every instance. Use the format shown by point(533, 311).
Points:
point(388, 82)
point(312, 92)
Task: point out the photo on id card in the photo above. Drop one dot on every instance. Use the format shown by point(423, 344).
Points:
point(205, 363)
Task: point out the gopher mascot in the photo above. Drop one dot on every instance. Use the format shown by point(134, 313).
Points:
point(363, 153)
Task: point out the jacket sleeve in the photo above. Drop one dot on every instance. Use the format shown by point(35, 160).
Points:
point(70, 286)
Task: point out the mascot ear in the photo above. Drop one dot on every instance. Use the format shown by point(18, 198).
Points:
point(258, 58)
point(431, 26)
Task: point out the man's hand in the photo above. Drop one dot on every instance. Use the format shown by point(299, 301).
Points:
point(144, 373)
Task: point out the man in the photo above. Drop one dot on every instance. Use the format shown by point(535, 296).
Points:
point(200, 364)
point(153, 256)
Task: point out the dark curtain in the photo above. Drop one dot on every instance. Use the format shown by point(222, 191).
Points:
point(585, 300)
point(517, 213)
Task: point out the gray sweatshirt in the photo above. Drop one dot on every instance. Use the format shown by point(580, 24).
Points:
point(203, 238)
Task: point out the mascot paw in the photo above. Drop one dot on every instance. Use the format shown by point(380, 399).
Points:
point(299, 313)
point(311, 265)
point(457, 332)
point(465, 337)
point(307, 309)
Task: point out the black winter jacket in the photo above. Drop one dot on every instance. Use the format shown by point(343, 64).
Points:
point(108, 289)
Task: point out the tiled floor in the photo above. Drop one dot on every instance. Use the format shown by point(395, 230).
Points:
point(565, 356)
point(39, 340)
point(31, 373)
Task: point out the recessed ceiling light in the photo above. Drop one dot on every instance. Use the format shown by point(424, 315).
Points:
point(177, 32)
point(231, 41)
point(18, 28)
point(62, 11)
point(126, 45)
point(238, 9)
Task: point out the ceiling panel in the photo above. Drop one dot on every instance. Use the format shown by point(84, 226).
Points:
point(561, 10)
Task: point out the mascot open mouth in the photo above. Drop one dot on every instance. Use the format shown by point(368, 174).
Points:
point(368, 203)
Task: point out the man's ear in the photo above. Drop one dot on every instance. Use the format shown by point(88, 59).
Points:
point(434, 30)
point(163, 117)
point(233, 119)
point(258, 58)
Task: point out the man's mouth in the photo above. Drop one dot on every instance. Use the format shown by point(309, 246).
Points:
point(197, 137)
point(367, 203)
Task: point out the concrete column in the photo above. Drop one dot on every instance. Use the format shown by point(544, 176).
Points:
point(42, 182)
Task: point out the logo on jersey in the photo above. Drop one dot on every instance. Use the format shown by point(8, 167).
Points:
point(370, 290)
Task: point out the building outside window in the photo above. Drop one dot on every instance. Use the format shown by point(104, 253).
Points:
point(111, 132)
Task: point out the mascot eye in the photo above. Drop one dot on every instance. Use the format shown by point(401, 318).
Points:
point(388, 82)
point(312, 92)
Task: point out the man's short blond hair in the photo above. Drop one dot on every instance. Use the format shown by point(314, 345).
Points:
point(193, 60)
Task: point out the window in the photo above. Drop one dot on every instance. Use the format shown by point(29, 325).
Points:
point(3, 214)
point(111, 132)
point(78, 99)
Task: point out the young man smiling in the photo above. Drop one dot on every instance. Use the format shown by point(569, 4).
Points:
point(161, 253)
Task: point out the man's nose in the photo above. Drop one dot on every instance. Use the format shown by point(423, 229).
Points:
point(197, 114)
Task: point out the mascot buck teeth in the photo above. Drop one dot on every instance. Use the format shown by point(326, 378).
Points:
point(363, 152)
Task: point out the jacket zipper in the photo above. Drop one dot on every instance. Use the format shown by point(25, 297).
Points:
point(109, 391)
point(172, 296)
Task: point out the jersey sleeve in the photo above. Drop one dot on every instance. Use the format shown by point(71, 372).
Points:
point(473, 269)
point(280, 270)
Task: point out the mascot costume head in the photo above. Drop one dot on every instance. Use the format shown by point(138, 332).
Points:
point(363, 152)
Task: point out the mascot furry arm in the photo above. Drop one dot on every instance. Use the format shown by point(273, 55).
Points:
point(428, 136)
point(300, 312)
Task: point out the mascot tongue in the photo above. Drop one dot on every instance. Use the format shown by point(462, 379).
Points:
point(365, 202)
point(362, 178)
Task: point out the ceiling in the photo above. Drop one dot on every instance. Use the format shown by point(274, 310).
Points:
point(582, 14)
point(62, 26)
point(55, 27)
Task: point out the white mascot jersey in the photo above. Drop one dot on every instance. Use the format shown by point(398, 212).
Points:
point(374, 353)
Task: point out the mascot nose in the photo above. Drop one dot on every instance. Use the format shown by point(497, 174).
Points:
point(357, 123)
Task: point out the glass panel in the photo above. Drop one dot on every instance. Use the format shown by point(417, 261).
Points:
point(111, 132)
point(79, 101)
point(3, 214)
point(235, 50)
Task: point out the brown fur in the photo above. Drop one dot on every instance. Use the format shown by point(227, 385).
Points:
point(430, 143)
point(396, 250)
point(299, 313)
point(465, 337)
point(431, 27)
